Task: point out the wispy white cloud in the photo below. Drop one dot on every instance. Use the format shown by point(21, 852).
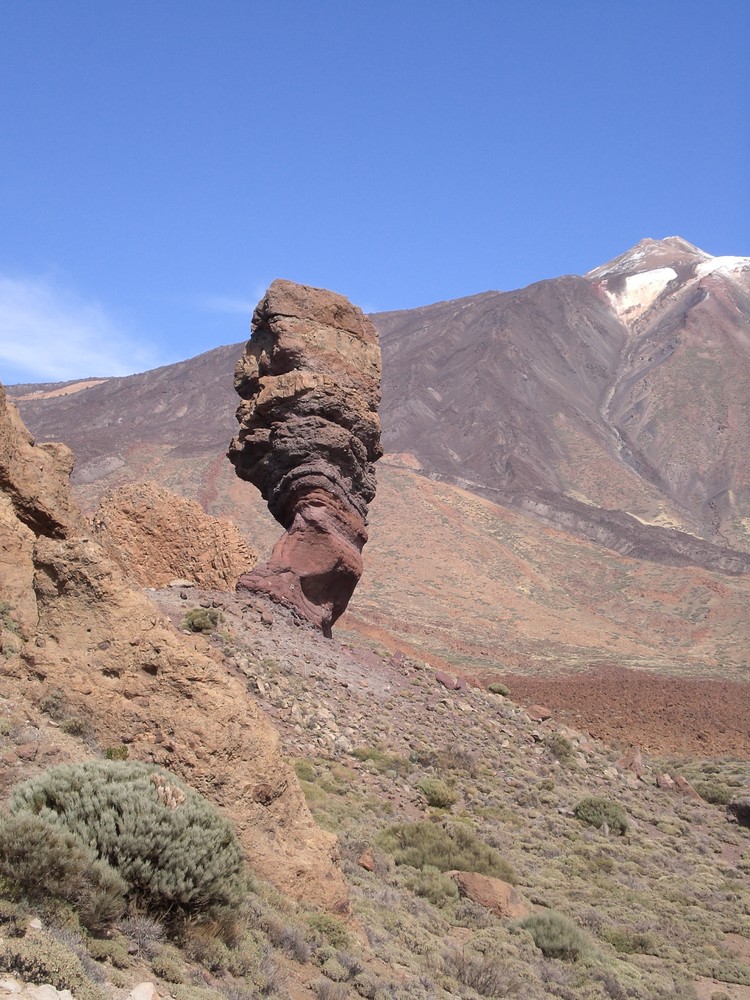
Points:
point(226, 304)
point(49, 333)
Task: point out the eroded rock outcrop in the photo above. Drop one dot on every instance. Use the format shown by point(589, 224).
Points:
point(309, 435)
point(157, 536)
point(73, 625)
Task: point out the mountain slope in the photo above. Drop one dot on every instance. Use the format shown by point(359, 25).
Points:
point(608, 412)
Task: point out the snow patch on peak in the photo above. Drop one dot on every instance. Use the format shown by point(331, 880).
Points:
point(721, 264)
point(639, 291)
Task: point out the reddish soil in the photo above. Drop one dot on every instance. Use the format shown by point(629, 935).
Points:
point(660, 713)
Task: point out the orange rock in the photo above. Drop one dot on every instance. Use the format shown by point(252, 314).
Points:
point(156, 536)
point(500, 898)
point(538, 713)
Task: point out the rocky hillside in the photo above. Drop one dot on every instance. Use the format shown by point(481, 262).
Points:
point(74, 631)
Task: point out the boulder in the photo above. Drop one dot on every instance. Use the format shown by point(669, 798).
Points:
point(500, 898)
point(632, 760)
point(738, 809)
point(157, 536)
point(309, 381)
point(539, 713)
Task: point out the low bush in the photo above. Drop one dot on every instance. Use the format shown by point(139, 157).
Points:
point(45, 862)
point(41, 959)
point(168, 968)
point(560, 747)
point(331, 928)
point(497, 688)
point(445, 847)
point(437, 793)
point(715, 792)
point(629, 942)
point(381, 761)
point(599, 812)
point(201, 620)
point(555, 935)
point(175, 853)
point(429, 883)
point(486, 975)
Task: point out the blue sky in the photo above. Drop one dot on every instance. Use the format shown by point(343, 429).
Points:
point(164, 160)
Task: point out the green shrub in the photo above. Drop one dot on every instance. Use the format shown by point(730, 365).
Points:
point(715, 792)
point(432, 884)
point(201, 620)
point(331, 928)
point(305, 770)
point(113, 950)
point(437, 793)
point(629, 942)
point(42, 860)
point(559, 747)
point(445, 848)
point(381, 761)
point(13, 919)
point(177, 855)
point(119, 752)
point(497, 688)
point(599, 812)
point(76, 726)
point(555, 935)
point(41, 959)
point(166, 967)
point(53, 704)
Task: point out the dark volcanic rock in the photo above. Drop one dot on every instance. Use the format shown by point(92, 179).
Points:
point(309, 435)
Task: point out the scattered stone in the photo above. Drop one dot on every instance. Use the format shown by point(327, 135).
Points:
point(664, 781)
point(446, 680)
point(683, 787)
point(144, 991)
point(366, 860)
point(632, 760)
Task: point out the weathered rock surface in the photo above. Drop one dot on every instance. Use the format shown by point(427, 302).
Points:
point(495, 895)
point(157, 536)
point(309, 435)
point(132, 680)
point(739, 810)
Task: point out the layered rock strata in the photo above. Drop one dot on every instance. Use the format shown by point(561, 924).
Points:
point(309, 434)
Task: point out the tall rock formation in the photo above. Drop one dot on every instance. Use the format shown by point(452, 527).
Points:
point(309, 435)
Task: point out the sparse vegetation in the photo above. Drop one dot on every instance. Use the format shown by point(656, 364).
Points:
point(176, 855)
point(455, 846)
point(201, 620)
point(555, 935)
point(437, 793)
point(601, 813)
point(498, 688)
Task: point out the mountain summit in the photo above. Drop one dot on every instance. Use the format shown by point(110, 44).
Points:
point(637, 278)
